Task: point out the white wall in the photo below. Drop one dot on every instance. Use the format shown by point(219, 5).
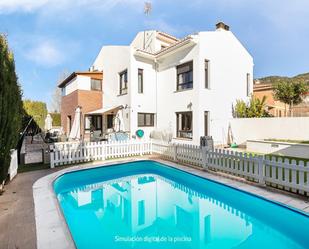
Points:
point(113, 60)
point(270, 128)
point(80, 82)
point(229, 65)
point(169, 100)
point(142, 102)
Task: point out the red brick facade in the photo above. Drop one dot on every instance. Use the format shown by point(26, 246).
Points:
point(87, 100)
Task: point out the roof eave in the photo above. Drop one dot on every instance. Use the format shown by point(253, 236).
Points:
point(161, 54)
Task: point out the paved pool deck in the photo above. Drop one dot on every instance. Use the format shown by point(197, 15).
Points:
point(19, 223)
point(17, 220)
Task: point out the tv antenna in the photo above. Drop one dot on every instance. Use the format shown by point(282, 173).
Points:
point(147, 11)
point(147, 8)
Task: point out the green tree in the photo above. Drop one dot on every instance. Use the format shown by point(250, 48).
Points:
point(56, 118)
point(37, 110)
point(240, 109)
point(10, 108)
point(255, 108)
point(290, 92)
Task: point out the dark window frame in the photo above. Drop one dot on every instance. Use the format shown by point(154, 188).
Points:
point(187, 134)
point(123, 89)
point(140, 84)
point(206, 123)
point(188, 85)
point(248, 76)
point(109, 121)
point(93, 127)
point(206, 72)
point(152, 117)
point(91, 86)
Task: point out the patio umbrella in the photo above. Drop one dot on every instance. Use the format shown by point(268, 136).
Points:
point(230, 137)
point(119, 122)
point(75, 130)
point(48, 122)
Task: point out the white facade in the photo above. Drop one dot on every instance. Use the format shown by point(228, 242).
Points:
point(80, 82)
point(230, 69)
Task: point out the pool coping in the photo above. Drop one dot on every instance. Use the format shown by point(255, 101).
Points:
point(53, 232)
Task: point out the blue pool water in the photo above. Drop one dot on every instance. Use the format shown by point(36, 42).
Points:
point(146, 204)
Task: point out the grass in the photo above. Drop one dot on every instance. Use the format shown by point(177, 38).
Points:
point(288, 141)
point(31, 167)
point(297, 159)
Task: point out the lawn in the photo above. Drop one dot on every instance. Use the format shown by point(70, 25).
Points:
point(288, 141)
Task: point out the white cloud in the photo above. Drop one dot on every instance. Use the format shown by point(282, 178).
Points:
point(9, 6)
point(45, 54)
point(21, 5)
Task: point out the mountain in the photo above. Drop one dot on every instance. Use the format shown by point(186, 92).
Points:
point(276, 79)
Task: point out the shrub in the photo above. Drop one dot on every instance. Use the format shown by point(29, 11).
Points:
point(10, 108)
point(37, 110)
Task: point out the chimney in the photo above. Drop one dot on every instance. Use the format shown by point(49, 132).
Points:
point(222, 26)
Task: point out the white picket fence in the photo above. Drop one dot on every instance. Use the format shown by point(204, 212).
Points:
point(75, 152)
point(287, 175)
point(272, 171)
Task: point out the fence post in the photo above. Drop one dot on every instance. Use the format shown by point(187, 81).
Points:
point(175, 152)
point(51, 149)
point(261, 167)
point(204, 157)
point(141, 143)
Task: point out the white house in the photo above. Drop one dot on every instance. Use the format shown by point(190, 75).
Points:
point(182, 89)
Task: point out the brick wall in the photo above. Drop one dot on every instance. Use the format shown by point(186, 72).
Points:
point(87, 100)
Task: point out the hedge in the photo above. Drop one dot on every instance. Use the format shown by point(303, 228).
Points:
point(10, 108)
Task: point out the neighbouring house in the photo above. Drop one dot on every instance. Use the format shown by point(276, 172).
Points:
point(82, 89)
point(276, 108)
point(167, 87)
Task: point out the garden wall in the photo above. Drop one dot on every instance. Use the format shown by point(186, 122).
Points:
point(292, 128)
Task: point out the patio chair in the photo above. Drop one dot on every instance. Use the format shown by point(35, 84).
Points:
point(96, 136)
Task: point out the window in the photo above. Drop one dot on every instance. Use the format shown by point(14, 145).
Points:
point(206, 123)
point(123, 82)
point(93, 122)
point(140, 81)
point(96, 84)
point(145, 119)
point(248, 84)
point(185, 76)
point(184, 125)
point(207, 74)
point(110, 119)
point(207, 229)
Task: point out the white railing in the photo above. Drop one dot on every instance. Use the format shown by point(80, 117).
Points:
point(75, 152)
point(287, 175)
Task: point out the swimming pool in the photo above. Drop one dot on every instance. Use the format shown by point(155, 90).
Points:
point(146, 204)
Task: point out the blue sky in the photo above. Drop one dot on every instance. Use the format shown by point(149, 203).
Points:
point(49, 37)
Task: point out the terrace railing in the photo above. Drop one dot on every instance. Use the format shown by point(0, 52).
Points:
point(272, 171)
